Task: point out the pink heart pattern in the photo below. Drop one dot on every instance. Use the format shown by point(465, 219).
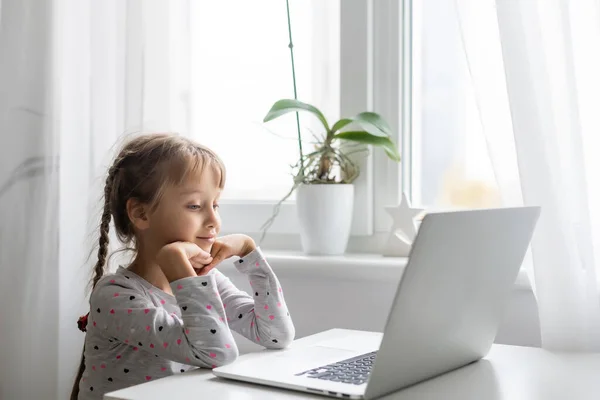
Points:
point(179, 341)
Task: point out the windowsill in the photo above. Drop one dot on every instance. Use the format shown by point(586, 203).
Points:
point(359, 266)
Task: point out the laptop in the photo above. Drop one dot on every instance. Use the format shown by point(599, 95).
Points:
point(445, 313)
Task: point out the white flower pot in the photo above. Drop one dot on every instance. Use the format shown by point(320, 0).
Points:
point(325, 217)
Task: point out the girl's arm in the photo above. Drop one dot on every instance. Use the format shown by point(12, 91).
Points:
point(263, 316)
point(200, 338)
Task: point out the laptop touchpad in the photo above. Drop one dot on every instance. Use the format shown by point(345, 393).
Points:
point(351, 343)
point(314, 356)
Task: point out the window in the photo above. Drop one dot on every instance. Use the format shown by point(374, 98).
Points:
point(230, 97)
point(449, 164)
point(240, 66)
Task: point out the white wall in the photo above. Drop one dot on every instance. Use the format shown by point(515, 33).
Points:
point(364, 304)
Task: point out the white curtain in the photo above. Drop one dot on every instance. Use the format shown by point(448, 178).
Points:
point(534, 68)
point(75, 76)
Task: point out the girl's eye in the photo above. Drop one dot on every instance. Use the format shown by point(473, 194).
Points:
point(194, 207)
point(215, 206)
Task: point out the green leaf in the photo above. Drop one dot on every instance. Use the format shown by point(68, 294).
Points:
point(340, 124)
point(367, 138)
point(373, 123)
point(285, 106)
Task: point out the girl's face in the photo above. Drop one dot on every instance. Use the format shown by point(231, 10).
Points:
point(188, 212)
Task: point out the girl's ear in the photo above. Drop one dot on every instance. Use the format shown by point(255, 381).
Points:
point(138, 214)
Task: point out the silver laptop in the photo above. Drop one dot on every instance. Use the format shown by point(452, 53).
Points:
point(445, 314)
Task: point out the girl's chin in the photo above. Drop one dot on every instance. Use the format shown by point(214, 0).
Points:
point(204, 243)
point(205, 246)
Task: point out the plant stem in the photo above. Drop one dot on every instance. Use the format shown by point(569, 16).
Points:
point(291, 46)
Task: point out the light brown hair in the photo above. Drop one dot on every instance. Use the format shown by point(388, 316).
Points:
point(142, 170)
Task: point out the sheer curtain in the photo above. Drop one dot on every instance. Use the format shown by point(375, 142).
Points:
point(534, 69)
point(75, 76)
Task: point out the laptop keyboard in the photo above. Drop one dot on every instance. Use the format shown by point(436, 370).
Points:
point(354, 370)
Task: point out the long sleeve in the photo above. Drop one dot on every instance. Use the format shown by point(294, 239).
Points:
point(200, 337)
point(262, 317)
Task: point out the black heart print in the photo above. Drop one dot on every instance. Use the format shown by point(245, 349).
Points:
point(182, 370)
point(110, 379)
point(126, 370)
point(240, 316)
point(160, 328)
point(184, 308)
point(95, 347)
point(213, 331)
point(274, 340)
point(204, 283)
point(131, 297)
point(256, 293)
point(98, 310)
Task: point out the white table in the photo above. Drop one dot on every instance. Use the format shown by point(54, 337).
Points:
point(508, 372)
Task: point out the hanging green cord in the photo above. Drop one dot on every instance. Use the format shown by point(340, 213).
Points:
point(291, 46)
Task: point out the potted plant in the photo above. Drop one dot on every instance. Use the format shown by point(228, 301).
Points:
point(324, 177)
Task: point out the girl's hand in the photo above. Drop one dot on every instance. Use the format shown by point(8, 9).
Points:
point(179, 260)
point(229, 246)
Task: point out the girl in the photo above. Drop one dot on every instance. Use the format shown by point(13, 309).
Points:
point(170, 309)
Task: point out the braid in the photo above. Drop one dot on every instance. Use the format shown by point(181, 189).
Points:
point(102, 252)
point(104, 225)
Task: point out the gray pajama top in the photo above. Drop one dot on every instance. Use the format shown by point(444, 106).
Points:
point(137, 333)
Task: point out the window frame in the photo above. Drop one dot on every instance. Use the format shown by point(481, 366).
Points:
point(371, 52)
